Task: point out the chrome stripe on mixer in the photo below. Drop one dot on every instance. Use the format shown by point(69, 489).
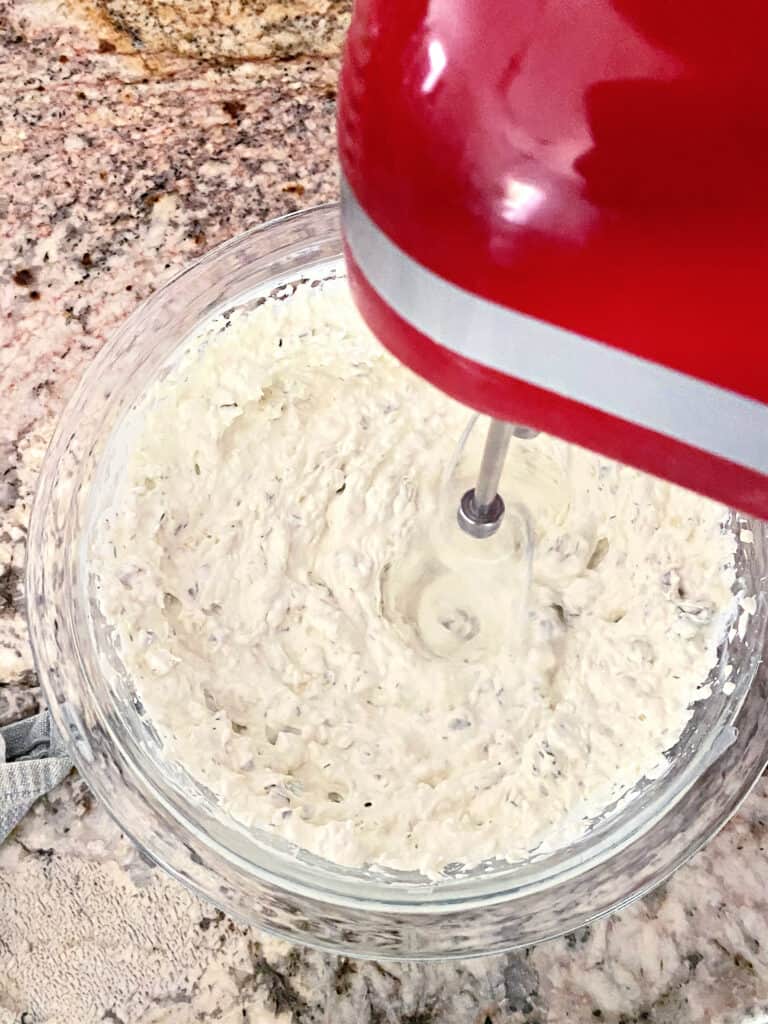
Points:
point(653, 396)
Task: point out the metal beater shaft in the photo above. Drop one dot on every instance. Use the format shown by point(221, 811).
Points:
point(481, 508)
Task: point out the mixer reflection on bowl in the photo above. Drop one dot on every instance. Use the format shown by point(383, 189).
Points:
point(359, 670)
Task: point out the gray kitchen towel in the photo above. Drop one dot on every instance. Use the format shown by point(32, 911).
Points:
point(32, 761)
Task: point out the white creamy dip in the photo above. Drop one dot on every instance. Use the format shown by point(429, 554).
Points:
point(257, 564)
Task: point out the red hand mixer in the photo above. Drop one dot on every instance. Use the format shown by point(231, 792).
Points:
point(556, 211)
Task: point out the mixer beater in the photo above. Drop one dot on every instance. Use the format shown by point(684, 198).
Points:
point(481, 508)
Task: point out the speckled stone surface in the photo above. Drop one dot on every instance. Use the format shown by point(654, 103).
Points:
point(221, 30)
point(116, 168)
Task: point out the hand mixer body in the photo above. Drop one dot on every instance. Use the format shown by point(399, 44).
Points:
point(557, 213)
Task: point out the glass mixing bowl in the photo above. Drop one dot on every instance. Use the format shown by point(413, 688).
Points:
point(252, 875)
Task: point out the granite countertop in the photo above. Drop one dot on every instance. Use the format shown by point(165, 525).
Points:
point(134, 135)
